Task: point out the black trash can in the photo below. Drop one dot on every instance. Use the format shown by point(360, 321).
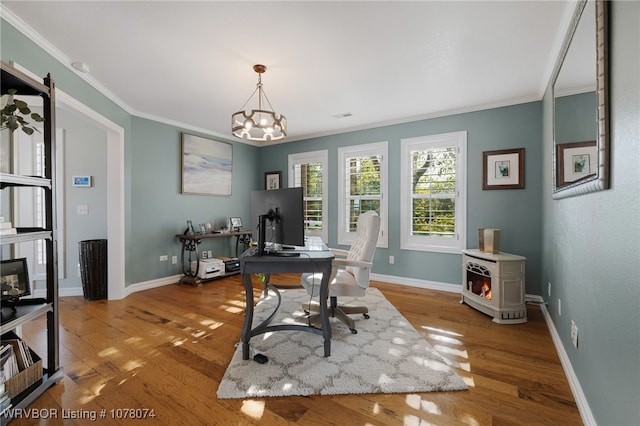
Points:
point(93, 268)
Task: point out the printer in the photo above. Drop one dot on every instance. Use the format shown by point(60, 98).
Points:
point(231, 264)
point(209, 268)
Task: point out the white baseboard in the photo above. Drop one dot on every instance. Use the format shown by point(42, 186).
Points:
point(146, 285)
point(576, 389)
point(434, 285)
point(414, 282)
point(62, 292)
point(133, 288)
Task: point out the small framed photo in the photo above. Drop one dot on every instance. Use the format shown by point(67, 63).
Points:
point(236, 223)
point(82, 181)
point(272, 180)
point(576, 161)
point(503, 169)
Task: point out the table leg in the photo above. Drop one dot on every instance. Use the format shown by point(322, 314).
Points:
point(324, 312)
point(266, 282)
point(248, 318)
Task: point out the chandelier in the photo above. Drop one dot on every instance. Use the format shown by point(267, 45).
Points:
point(259, 124)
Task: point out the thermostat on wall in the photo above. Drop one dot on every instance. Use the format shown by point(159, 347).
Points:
point(82, 181)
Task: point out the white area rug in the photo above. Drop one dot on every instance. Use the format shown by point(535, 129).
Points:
point(386, 356)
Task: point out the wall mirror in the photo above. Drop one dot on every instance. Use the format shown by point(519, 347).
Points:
point(580, 104)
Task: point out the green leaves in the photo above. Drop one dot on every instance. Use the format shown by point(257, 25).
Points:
point(14, 112)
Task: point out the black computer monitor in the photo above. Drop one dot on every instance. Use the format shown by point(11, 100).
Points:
point(14, 281)
point(277, 216)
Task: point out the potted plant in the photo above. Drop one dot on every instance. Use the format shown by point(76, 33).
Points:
point(14, 111)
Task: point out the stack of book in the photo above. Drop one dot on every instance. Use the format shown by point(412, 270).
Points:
point(8, 365)
point(5, 400)
point(20, 366)
point(19, 357)
point(6, 228)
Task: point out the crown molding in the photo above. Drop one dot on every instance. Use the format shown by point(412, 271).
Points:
point(44, 44)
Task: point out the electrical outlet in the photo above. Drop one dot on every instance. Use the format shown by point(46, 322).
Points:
point(574, 334)
point(164, 258)
point(392, 260)
point(174, 260)
point(204, 255)
point(210, 254)
point(559, 307)
point(549, 289)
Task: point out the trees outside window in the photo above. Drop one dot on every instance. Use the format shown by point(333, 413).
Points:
point(362, 179)
point(434, 192)
point(308, 170)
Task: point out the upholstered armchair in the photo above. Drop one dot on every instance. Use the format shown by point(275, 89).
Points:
point(350, 274)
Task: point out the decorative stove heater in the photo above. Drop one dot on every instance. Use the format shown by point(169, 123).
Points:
point(494, 284)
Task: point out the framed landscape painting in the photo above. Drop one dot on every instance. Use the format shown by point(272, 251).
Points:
point(207, 166)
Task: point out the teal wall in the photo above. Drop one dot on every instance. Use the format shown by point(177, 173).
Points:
point(577, 118)
point(159, 210)
point(515, 211)
point(85, 150)
point(591, 246)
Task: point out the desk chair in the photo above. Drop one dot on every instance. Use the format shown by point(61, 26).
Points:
point(350, 274)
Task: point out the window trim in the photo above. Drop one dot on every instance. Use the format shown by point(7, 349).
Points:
point(424, 243)
point(374, 148)
point(24, 202)
point(321, 156)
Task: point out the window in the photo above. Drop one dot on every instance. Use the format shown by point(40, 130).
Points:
point(308, 170)
point(362, 186)
point(433, 198)
point(29, 202)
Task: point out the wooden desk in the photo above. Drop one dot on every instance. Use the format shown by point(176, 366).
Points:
point(190, 252)
point(309, 261)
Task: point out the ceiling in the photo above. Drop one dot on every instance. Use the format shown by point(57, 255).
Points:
point(190, 63)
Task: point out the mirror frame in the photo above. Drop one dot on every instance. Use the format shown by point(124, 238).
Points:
point(600, 180)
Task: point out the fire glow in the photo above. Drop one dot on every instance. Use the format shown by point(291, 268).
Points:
point(481, 288)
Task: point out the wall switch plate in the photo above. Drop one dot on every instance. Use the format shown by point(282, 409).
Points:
point(559, 307)
point(549, 290)
point(574, 334)
point(164, 258)
point(82, 209)
point(392, 260)
point(174, 260)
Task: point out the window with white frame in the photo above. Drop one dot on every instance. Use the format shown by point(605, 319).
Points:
point(309, 170)
point(362, 186)
point(433, 197)
point(29, 203)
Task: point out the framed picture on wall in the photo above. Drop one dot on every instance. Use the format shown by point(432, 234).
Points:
point(206, 166)
point(272, 180)
point(503, 169)
point(576, 161)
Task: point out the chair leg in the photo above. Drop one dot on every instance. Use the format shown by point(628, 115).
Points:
point(343, 312)
point(338, 311)
point(310, 307)
point(354, 309)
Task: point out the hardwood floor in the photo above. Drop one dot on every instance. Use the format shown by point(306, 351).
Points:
point(166, 350)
